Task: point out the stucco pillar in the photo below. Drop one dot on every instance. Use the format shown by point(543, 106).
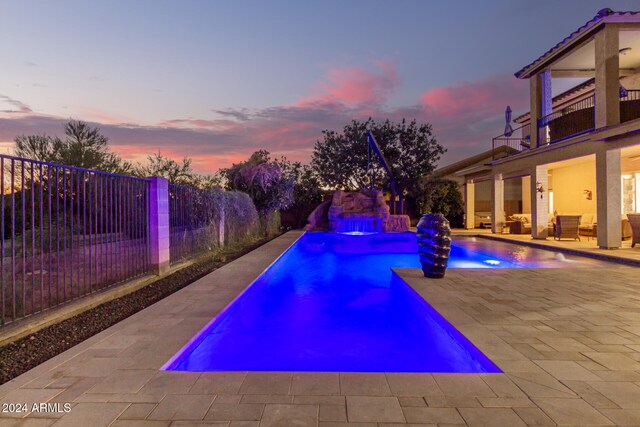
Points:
point(469, 205)
point(539, 202)
point(221, 224)
point(540, 105)
point(526, 194)
point(607, 77)
point(159, 224)
point(497, 203)
point(609, 198)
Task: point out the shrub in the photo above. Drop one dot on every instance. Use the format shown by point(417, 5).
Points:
point(240, 218)
point(270, 223)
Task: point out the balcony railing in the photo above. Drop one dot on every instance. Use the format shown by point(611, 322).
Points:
point(572, 120)
point(518, 141)
point(630, 106)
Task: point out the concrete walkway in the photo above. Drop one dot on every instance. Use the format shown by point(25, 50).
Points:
point(568, 342)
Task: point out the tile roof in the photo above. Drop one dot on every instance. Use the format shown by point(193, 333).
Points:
point(600, 16)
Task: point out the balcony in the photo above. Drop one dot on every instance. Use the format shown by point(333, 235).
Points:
point(519, 140)
point(567, 122)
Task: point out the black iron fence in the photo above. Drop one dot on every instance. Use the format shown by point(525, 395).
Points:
point(517, 141)
point(630, 106)
point(66, 232)
point(579, 117)
point(571, 120)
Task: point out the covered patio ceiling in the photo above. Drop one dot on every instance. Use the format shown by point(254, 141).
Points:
point(630, 156)
point(581, 62)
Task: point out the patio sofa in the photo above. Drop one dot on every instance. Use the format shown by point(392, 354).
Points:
point(521, 224)
point(589, 226)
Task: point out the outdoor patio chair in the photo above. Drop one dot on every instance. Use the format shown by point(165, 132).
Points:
point(634, 221)
point(567, 227)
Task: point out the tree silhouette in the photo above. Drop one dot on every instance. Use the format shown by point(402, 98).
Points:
point(83, 146)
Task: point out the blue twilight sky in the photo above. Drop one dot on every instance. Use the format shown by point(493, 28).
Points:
point(218, 80)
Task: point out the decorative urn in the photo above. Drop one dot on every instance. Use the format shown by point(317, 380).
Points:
point(434, 244)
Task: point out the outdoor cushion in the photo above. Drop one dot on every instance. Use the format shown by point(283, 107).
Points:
point(587, 221)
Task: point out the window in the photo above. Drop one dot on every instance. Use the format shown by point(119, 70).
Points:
point(630, 192)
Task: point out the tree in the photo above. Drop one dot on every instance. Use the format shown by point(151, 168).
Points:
point(341, 160)
point(174, 172)
point(83, 146)
point(37, 147)
point(306, 188)
point(439, 195)
point(177, 173)
point(263, 179)
point(207, 182)
point(307, 193)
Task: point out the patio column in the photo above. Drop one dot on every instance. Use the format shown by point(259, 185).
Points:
point(539, 202)
point(497, 203)
point(159, 224)
point(609, 198)
point(469, 205)
point(526, 194)
point(607, 77)
point(540, 104)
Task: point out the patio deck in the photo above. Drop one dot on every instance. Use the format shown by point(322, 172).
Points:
point(568, 342)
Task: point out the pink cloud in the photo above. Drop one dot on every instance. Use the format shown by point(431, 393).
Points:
point(203, 163)
point(215, 125)
point(355, 85)
point(475, 99)
point(107, 117)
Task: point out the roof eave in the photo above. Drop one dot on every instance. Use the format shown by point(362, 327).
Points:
point(545, 60)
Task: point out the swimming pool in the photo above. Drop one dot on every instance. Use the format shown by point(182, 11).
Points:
point(331, 303)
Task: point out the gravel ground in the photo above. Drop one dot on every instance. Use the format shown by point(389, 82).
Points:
point(28, 352)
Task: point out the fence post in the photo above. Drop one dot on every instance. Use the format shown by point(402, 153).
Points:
point(159, 224)
point(221, 226)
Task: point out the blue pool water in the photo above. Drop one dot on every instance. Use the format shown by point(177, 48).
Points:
point(331, 303)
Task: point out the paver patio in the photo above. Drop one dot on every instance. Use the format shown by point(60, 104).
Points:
point(568, 342)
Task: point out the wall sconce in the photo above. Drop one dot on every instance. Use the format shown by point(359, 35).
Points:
point(539, 188)
point(588, 194)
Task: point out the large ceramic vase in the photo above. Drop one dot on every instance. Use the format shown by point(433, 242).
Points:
point(434, 244)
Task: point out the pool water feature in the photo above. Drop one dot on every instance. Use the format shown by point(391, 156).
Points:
point(332, 303)
point(359, 225)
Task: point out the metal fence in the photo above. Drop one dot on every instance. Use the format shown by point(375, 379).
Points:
point(517, 141)
point(630, 105)
point(571, 120)
point(67, 232)
point(196, 221)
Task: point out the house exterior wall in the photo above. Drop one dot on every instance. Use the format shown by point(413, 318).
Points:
point(568, 188)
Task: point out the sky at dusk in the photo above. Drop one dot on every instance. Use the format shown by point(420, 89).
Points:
point(217, 80)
